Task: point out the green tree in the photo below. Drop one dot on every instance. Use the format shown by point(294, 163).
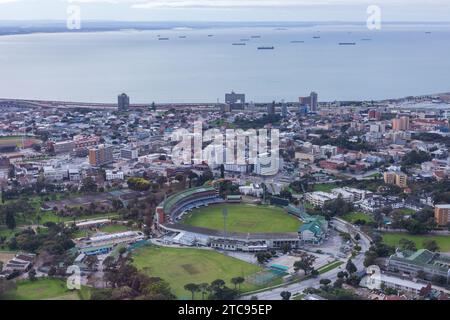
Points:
point(262, 257)
point(193, 288)
point(350, 267)
point(203, 287)
point(406, 244)
point(431, 245)
point(285, 295)
point(88, 185)
point(237, 281)
point(10, 220)
point(222, 171)
point(305, 263)
point(32, 275)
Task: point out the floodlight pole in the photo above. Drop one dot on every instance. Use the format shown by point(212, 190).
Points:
point(225, 215)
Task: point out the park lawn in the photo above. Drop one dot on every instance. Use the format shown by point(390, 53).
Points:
point(405, 211)
point(324, 187)
point(44, 289)
point(180, 266)
point(393, 239)
point(354, 216)
point(243, 218)
point(114, 228)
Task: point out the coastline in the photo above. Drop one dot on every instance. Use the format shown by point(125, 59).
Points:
point(14, 28)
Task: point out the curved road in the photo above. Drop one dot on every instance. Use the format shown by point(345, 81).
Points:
point(298, 287)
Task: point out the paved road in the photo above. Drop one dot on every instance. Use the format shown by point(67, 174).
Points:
point(342, 226)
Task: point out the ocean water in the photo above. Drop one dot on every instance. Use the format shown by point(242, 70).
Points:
point(95, 67)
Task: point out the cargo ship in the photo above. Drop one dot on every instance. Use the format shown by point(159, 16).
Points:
point(163, 38)
point(266, 48)
point(347, 43)
point(238, 44)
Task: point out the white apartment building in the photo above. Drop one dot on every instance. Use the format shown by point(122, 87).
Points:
point(319, 198)
point(114, 175)
point(252, 190)
point(351, 194)
point(53, 174)
point(346, 195)
point(74, 175)
point(328, 150)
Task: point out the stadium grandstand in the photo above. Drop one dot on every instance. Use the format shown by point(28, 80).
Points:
point(170, 212)
point(105, 243)
point(173, 208)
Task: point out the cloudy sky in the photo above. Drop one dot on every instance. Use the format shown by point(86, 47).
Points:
point(227, 10)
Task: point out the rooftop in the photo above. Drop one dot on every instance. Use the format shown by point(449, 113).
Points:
point(173, 199)
point(443, 206)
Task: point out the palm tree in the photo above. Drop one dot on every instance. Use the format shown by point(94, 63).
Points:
point(193, 288)
point(203, 287)
point(237, 281)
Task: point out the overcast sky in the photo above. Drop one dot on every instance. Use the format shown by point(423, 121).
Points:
point(227, 10)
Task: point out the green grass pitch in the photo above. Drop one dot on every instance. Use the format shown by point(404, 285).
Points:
point(244, 218)
point(180, 266)
point(393, 239)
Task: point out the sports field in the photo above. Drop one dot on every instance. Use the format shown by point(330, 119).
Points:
point(180, 266)
point(243, 218)
point(355, 216)
point(17, 140)
point(45, 289)
point(394, 238)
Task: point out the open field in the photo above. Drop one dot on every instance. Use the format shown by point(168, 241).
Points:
point(45, 289)
point(180, 266)
point(355, 216)
point(405, 211)
point(394, 238)
point(325, 187)
point(244, 218)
